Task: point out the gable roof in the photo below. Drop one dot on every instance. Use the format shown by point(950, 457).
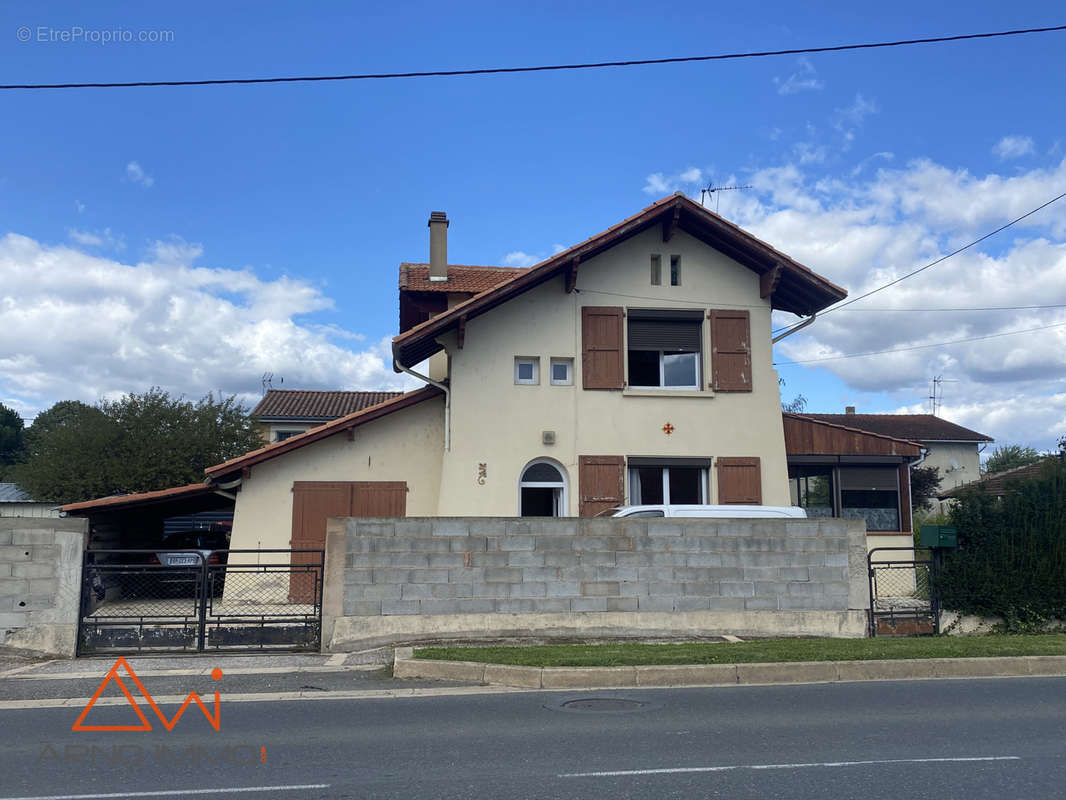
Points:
point(347, 422)
point(139, 499)
point(313, 406)
point(996, 483)
point(801, 440)
point(916, 427)
point(797, 288)
point(461, 278)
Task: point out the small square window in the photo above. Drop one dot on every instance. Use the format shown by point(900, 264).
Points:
point(675, 270)
point(656, 270)
point(526, 371)
point(562, 371)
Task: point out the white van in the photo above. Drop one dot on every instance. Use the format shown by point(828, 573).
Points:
point(717, 512)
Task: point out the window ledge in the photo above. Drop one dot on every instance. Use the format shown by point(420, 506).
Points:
point(708, 395)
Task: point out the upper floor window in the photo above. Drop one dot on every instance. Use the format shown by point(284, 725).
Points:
point(526, 370)
point(664, 348)
point(656, 269)
point(562, 371)
point(675, 270)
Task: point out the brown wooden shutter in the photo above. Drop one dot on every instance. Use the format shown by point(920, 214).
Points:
point(380, 499)
point(313, 502)
point(730, 351)
point(601, 483)
point(739, 481)
point(601, 347)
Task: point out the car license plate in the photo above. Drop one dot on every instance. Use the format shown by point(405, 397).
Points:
point(182, 561)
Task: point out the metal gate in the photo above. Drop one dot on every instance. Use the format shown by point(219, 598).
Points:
point(179, 601)
point(903, 598)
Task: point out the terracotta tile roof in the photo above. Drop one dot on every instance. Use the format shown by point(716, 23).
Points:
point(353, 420)
point(461, 278)
point(798, 288)
point(996, 483)
point(298, 404)
point(141, 497)
point(916, 427)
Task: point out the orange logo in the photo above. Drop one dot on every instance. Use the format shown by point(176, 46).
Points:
point(112, 675)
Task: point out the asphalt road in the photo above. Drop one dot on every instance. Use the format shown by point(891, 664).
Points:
point(966, 739)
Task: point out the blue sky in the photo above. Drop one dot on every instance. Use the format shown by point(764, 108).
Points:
point(197, 237)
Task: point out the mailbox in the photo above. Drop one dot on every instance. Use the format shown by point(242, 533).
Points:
point(938, 536)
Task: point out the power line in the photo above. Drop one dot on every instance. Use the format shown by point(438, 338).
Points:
point(541, 68)
point(968, 308)
point(918, 346)
point(932, 263)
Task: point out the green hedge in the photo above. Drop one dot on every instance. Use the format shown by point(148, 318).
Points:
point(1011, 559)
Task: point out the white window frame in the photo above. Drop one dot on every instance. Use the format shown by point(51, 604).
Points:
point(564, 362)
point(275, 433)
point(561, 499)
point(535, 362)
point(634, 485)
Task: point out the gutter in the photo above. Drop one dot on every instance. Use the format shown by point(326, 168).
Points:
point(447, 400)
point(797, 328)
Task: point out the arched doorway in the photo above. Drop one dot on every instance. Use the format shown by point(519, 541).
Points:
point(542, 489)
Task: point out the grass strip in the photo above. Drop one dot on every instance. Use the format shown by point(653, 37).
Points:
point(626, 654)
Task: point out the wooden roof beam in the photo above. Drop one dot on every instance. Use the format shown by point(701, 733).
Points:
point(571, 275)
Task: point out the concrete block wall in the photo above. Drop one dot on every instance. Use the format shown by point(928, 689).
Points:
point(40, 580)
point(423, 567)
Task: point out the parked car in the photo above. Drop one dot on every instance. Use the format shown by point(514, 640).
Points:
point(186, 552)
point(716, 512)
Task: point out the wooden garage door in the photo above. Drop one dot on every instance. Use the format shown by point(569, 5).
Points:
point(739, 481)
point(314, 502)
point(601, 483)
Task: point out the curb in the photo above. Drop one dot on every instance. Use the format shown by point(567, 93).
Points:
point(729, 674)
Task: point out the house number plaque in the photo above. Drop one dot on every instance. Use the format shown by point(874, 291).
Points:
point(482, 473)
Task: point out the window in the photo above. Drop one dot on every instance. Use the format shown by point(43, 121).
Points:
point(542, 490)
point(282, 435)
point(656, 270)
point(664, 348)
point(526, 370)
point(812, 489)
point(872, 494)
point(675, 270)
point(562, 371)
point(670, 481)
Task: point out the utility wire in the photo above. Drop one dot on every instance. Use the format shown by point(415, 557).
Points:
point(971, 308)
point(932, 263)
point(919, 346)
point(541, 68)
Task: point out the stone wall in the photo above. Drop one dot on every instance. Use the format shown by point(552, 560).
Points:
point(483, 576)
point(40, 580)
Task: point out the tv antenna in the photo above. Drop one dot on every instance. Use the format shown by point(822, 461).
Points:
point(712, 189)
point(268, 381)
point(936, 395)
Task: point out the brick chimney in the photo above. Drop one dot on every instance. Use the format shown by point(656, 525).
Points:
point(849, 409)
point(438, 246)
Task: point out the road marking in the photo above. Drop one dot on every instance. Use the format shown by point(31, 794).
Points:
point(675, 770)
point(174, 792)
point(72, 676)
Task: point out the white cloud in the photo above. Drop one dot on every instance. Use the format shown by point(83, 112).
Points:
point(135, 173)
point(804, 79)
point(862, 232)
point(80, 206)
point(1014, 147)
point(520, 258)
point(78, 326)
point(658, 184)
point(98, 238)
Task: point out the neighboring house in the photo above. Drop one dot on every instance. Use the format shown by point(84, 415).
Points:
point(16, 503)
point(953, 449)
point(285, 412)
point(997, 483)
point(634, 367)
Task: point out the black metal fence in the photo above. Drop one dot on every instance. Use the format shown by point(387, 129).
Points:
point(151, 601)
point(903, 598)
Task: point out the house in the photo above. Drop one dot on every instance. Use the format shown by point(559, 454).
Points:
point(633, 367)
point(14, 502)
point(284, 412)
point(951, 448)
point(998, 483)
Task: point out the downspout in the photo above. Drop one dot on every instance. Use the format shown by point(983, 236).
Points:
point(447, 400)
point(791, 331)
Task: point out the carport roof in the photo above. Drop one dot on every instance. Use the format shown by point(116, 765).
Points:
point(121, 501)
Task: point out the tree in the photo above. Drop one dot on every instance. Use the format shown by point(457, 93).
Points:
point(1010, 456)
point(138, 443)
point(12, 437)
point(797, 406)
point(925, 481)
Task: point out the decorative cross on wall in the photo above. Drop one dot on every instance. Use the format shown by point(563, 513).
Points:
point(668, 429)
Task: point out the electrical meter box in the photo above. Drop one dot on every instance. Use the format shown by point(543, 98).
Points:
point(938, 536)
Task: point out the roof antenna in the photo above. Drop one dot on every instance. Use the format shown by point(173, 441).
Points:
point(712, 189)
point(267, 381)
